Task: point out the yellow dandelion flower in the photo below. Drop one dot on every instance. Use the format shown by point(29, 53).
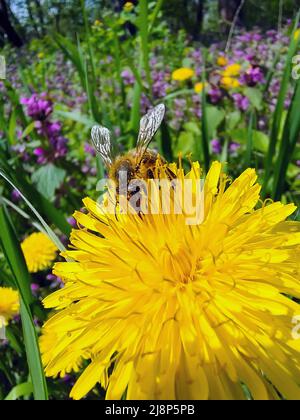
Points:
point(297, 35)
point(222, 61)
point(230, 82)
point(128, 6)
point(183, 74)
point(232, 70)
point(168, 310)
point(9, 303)
point(199, 87)
point(39, 252)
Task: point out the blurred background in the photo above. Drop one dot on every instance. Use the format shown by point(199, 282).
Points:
point(206, 20)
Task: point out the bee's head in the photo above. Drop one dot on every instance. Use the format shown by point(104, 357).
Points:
point(123, 173)
point(124, 169)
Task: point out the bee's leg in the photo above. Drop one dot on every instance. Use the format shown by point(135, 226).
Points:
point(150, 173)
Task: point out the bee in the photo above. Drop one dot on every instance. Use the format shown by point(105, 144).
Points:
point(140, 163)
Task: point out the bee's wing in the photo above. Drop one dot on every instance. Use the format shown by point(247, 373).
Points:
point(102, 142)
point(149, 125)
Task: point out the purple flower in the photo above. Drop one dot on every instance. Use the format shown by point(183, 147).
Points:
point(72, 221)
point(15, 195)
point(38, 107)
point(215, 95)
point(253, 76)
point(88, 148)
point(128, 77)
point(234, 147)
point(41, 155)
point(241, 101)
point(35, 288)
point(216, 146)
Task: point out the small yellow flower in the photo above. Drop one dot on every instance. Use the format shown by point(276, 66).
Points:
point(128, 7)
point(41, 55)
point(182, 74)
point(97, 22)
point(39, 252)
point(233, 70)
point(230, 82)
point(297, 35)
point(222, 61)
point(9, 303)
point(199, 87)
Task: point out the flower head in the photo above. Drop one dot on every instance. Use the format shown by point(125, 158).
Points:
point(253, 76)
point(9, 303)
point(128, 6)
point(166, 310)
point(38, 107)
point(241, 101)
point(222, 61)
point(297, 35)
point(199, 87)
point(232, 70)
point(230, 82)
point(183, 74)
point(39, 252)
point(216, 146)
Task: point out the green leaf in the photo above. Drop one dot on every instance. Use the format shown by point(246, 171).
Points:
point(28, 130)
point(215, 117)
point(19, 391)
point(260, 140)
point(47, 179)
point(17, 264)
point(233, 119)
point(12, 127)
point(255, 97)
point(185, 143)
point(76, 116)
point(193, 128)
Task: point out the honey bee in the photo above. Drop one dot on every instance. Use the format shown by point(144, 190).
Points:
point(140, 163)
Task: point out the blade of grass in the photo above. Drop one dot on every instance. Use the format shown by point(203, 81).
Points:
point(22, 213)
point(16, 261)
point(204, 126)
point(155, 13)
point(135, 115)
point(143, 24)
point(21, 390)
point(47, 228)
point(166, 142)
point(277, 118)
point(71, 52)
point(251, 127)
point(290, 137)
